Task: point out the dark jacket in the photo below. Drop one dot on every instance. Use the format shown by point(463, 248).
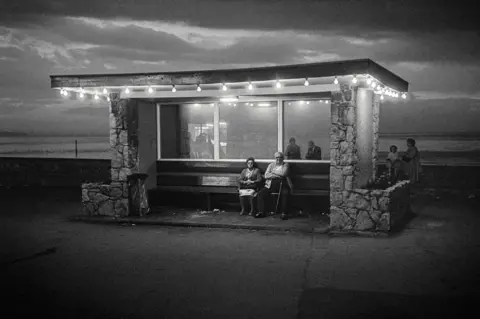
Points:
point(256, 177)
point(314, 153)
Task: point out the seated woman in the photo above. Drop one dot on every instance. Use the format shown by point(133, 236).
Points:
point(276, 175)
point(248, 185)
point(411, 161)
point(394, 163)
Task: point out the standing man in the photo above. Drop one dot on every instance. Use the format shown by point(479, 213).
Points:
point(293, 150)
point(314, 152)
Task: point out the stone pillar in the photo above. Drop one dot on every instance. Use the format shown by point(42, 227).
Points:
point(123, 137)
point(375, 127)
point(343, 151)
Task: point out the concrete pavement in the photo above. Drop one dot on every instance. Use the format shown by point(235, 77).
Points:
point(113, 271)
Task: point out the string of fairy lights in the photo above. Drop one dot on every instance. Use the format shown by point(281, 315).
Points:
point(377, 86)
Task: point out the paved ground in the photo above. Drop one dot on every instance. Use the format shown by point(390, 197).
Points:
point(76, 270)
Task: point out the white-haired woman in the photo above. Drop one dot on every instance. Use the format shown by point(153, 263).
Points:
point(276, 175)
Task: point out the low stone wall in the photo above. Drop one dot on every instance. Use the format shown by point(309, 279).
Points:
point(105, 200)
point(369, 210)
point(56, 172)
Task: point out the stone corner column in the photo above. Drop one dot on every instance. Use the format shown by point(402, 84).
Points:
point(123, 141)
point(343, 153)
point(375, 126)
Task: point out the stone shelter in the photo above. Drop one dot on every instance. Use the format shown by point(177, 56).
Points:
point(191, 131)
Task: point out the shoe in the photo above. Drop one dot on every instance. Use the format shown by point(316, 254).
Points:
point(251, 214)
point(242, 213)
point(284, 216)
point(258, 215)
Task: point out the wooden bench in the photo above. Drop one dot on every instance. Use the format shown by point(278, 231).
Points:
point(308, 179)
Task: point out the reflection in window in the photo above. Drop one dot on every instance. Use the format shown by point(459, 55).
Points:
point(248, 129)
point(306, 121)
point(187, 131)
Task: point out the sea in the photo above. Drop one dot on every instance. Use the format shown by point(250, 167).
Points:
point(433, 148)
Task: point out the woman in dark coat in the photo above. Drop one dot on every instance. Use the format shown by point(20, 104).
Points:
point(249, 182)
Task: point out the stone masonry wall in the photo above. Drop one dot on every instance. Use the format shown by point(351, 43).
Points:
point(105, 199)
point(376, 125)
point(371, 210)
point(113, 199)
point(343, 155)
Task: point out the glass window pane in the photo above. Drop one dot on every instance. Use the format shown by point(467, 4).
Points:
point(248, 129)
point(187, 131)
point(307, 121)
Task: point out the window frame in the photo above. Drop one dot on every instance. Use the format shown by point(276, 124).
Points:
point(216, 130)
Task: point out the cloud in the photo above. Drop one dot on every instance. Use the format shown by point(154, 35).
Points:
point(423, 16)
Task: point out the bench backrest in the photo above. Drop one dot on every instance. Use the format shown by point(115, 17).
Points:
point(304, 176)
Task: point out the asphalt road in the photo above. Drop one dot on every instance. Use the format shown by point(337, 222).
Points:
point(53, 267)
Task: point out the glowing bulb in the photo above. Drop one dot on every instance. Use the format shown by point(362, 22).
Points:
point(335, 81)
point(96, 97)
point(150, 90)
point(82, 95)
point(381, 97)
point(404, 96)
point(308, 102)
point(354, 80)
point(279, 85)
point(374, 84)
point(105, 91)
point(174, 89)
point(65, 92)
point(250, 86)
point(306, 82)
point(127, 91)
point(302, 102)
point(108, 99)
point(199, 88)
point(224, 87)
point(369, 80)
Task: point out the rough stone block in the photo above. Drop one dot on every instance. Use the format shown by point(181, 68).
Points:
point(106, 208)
point(337, 134)
point(348, 183)
point(364, 222)
point(338, 218)
point(384, 203)
point(348, 170)
point(336, 198)
point(350, 136)
point(384, 222)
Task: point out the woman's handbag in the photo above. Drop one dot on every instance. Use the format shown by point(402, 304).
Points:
point(247, 192)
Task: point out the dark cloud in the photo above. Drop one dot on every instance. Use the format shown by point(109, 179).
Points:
point(372, 15)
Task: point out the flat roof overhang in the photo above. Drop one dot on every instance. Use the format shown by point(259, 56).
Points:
point(293, 76)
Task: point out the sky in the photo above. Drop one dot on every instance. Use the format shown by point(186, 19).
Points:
point(434, 45)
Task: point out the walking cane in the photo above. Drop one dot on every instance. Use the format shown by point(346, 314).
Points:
point(278, 197)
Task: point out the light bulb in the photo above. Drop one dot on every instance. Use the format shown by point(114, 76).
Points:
point(82, 95)
point(335, 81)
point(354, 80)
point(404, 96)
point(127, 91)
point(108, 99)
point(369, 80)
point(381, 97)
point(174, 89)
point(105, 91)
point(199, 88)
point(250, 86)
point(150, 90)
point(279, 85)
point(96, 97)
point(308, 102)
point(374, 84)
point(224, 87)
point(306, 82)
